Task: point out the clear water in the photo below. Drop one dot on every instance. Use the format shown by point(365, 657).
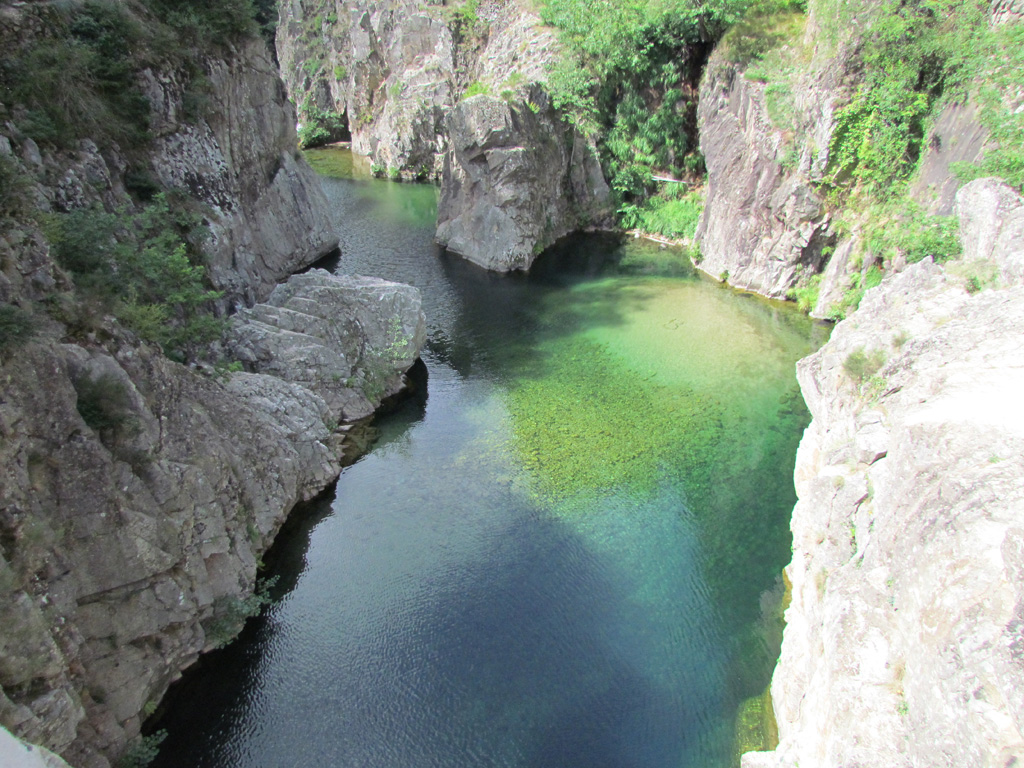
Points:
point(565, 554)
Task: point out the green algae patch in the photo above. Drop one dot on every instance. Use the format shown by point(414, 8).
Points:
point(338, 163)
point(756, 729)
point(576, 428)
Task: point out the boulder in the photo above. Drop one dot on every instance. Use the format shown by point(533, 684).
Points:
point(349, 339)
point(516, 178)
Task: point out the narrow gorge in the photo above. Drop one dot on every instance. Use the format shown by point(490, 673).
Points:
point(567, 544)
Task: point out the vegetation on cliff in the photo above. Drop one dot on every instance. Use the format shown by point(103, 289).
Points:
point(630, 75)
point(71, 75)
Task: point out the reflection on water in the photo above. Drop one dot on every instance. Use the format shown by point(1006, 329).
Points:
point(565, 557)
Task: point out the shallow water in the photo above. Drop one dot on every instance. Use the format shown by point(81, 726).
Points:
point(566, 553)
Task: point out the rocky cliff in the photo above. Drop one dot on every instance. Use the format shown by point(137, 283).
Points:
point(137, 494)
point(266, 213)
point(903, 639)
point(769, 123)
point(516, 178)
point(398, 78)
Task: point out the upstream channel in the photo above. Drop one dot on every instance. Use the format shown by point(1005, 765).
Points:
point(565, 553)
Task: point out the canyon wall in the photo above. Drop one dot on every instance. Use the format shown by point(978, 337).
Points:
point(903, 639)
point(436, 92)
point(137, 494)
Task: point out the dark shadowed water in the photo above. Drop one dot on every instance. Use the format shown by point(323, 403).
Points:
point(566, 553)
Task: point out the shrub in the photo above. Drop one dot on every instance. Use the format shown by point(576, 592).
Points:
point(231, 613)
point(476, 88)
point(674, 215)
point(144, 267)
point(861, 365)
point(104, 404)
point(77, 79)
point(143, 751)
point(16, 329)
point(914, 54)
point(905, 228)
point(805, 293)
point(15, 188)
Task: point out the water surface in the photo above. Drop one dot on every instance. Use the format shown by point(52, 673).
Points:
point(565, 553)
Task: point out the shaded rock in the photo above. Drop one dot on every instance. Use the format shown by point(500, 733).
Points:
point(268, 215)
point(515, 180)
point(763, 223)
point(348, 339)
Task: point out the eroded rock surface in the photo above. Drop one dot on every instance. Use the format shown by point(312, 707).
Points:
point(349, 339)
point(763, 224)
point(516, 178)
point(902, 644)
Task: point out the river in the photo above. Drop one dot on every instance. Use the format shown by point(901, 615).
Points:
point(565, 552)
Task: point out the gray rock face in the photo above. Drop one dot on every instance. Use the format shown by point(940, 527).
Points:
point(348, 339)
point(269, 215)
point(131, 533)
point(513, 177)
point(515, 180)
point(763, 223)
point(956, 137)
point(902, 644)
point(991, 218)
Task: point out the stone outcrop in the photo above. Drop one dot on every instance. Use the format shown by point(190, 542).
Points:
point(516, 178)
point(903, 638)
point(763, 224)
point(348, 339)
point(136, 498)
point(138, 494)
point(267, 214)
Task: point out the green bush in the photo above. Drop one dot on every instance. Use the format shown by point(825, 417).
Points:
point(907, 230)
point(15, 188)
point(143, 751)
point(674, 215)
point(77, 79)
point(805, 293)
point(915, 53)
point(859, 284)
point(145, 267)
point(320, 126)
point(16, 329)
point(476, 88)
point(861, 365)
point(105, 405)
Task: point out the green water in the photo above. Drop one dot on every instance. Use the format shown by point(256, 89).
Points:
point(567, 552)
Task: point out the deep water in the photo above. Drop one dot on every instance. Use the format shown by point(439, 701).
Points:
point(565, 553)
